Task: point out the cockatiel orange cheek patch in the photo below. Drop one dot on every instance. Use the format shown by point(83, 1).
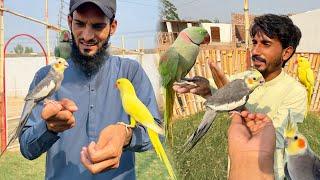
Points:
point(301, 143)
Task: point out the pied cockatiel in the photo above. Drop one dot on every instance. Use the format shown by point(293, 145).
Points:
point(175, 63)
point(232, 96)
point(302, 162)
point(44, 89)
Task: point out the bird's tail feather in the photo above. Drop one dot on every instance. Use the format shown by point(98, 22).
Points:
point(29, 105)
point(160, 152)
point(202, 129)
point(168, 113)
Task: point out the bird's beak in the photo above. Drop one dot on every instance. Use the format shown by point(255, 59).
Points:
point(115, 85)
point(295, 62)
point(66, 65)
point(206, 39)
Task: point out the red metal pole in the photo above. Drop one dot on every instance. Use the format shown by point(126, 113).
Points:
point(4, 117)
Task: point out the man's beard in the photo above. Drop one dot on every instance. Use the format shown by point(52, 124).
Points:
point(89, 64)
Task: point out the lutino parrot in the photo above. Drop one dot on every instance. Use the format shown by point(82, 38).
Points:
point(140, 113)
point(232, 96)
point(43, 90)
point(175, 63)
point(306, 77)
point(302, 162)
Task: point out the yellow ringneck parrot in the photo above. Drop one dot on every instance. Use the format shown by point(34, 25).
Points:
point(140, 113)
point(175, 64)
point(306, 77)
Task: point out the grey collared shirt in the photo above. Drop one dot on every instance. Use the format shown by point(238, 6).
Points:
point(99, 105)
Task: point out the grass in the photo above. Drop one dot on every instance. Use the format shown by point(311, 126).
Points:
point(13, 166)
point(208, 160)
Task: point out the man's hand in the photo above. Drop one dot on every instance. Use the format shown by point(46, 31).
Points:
point(58, 115)
point(106, 153)
point(203, 86)
point(251, 142)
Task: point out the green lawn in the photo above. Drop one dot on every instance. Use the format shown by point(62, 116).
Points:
point(208, 160)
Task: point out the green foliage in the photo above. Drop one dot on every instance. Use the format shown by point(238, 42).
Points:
point(28, 50)
point(18, 49)
point(169, 11)
point(205, 21)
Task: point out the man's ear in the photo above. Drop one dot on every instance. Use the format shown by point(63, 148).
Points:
point(113, 27)
point(287, 52)
point(70, 22)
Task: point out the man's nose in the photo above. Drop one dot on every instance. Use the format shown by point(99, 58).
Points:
point(256, 50)
point(88, 33)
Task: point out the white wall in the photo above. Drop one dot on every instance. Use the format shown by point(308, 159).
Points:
point(20, 72)
point(309, 24)
point(225, 30)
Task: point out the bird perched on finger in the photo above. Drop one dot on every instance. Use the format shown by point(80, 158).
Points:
point(302, 162)
point(175, 63)
point(43, 90)
point(306, 77)
point(230, 97)
point(139, 113)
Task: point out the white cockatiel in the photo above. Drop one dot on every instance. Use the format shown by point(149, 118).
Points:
point(230, 97)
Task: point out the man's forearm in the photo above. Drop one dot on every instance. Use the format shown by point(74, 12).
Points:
point(251, 165)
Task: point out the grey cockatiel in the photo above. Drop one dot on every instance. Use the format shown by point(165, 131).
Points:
point(44, 89)
point(176, 63)
point(302, 162)
point(230, 97)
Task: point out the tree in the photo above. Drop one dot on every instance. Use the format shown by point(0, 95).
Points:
point(18, 49)
point(205, 21)
point(28, 50)
point(169, 11)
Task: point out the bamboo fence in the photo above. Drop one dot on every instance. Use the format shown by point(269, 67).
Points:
point(232, 61)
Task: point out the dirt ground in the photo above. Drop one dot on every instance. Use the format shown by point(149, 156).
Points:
point(14, 109)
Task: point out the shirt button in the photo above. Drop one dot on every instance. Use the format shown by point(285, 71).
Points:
point(91, 106)
point(92, 90)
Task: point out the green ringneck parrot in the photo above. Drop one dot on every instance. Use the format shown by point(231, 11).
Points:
point(175, 63)
point(232, 96)
point(44, 89)
point(63, 49)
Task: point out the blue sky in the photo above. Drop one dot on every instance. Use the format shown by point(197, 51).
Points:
point(137, 19)
point(210, 9)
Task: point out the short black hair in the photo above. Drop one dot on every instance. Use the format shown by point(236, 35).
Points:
point(280, 27)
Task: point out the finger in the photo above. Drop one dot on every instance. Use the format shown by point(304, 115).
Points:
point(260, 116)
point(102, 166)
point(250, 124)
point(64, 115)
point(84, 158)
point(236, 119)
point(50, 109)
point(179, 89)
point(69, 104)
point(244, 114)
point(251, 116)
